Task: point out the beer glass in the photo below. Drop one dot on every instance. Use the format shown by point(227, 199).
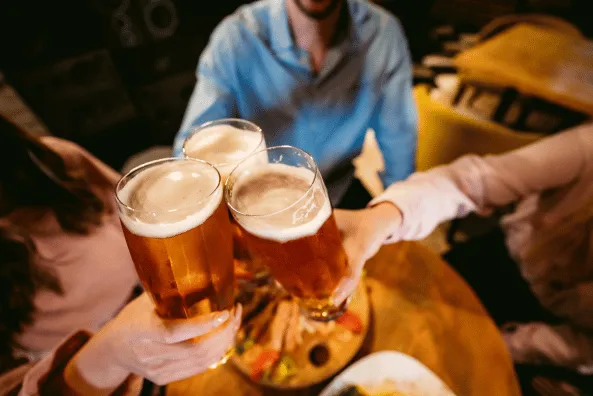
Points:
point(224, 143)
point(178, 232)
point(279, 199)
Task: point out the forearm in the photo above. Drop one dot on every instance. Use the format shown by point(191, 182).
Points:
point(77, 384)
point(425, 200)
point(61, 373)
point(562, 345)
point(92, 376)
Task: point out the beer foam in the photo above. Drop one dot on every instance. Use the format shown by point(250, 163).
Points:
point(222, 145)
point(280, 205)
point(170, 198)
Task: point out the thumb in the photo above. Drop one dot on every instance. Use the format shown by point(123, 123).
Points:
point(177, 330)
point(348, 284)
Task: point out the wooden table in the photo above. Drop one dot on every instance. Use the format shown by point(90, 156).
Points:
point(536, 61)
point(421, 307)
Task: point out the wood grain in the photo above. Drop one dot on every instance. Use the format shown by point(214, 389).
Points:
point(536, 61)
point(420, 307)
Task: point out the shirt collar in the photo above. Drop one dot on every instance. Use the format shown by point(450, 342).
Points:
point(281, 35)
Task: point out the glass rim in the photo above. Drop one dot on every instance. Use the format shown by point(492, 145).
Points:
point(157, 162)
point(227, 190)
point(195, 130)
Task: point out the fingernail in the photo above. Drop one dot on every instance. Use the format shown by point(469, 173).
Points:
point(221, 317)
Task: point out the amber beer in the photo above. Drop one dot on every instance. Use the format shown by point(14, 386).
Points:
point(286, 215)
point(224, 143)
point(179, 235)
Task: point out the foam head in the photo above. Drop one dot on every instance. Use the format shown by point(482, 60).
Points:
point(222, 145)
point(169, 198)
point(280, 202)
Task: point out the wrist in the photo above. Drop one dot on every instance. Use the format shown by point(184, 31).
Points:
point(387, 212)
point(93, 371)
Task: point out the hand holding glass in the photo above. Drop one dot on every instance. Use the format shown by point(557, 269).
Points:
point(178, 232)
point(279, 199)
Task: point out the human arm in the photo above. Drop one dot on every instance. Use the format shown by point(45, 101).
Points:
point(479, 184)
point(411, 209)
point(395, 117)
point(561, 345)
point(139, 343)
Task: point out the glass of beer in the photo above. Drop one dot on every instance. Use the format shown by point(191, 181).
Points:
point(224, 143)
point(279, 199)
point(178, 232)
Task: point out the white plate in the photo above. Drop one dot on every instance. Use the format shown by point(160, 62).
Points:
point(409, 374)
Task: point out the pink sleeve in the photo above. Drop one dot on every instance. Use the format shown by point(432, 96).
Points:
point(46, 377)
point(478, 184)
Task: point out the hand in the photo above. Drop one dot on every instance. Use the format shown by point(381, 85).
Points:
point(138, 341)
point(363, 233)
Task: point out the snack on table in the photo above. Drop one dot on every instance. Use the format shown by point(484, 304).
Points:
point(278, 346)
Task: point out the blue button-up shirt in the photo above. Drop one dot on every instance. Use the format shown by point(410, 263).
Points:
point(253, 69)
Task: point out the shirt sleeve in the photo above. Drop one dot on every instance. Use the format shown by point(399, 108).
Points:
point(479, 184)
point(46, 377)
point(559, 345)
point(213, 96)
point(395, 119)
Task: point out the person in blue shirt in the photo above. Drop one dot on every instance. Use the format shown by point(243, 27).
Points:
point(315, 74)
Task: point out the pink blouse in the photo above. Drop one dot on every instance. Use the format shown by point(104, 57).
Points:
point(95, 270)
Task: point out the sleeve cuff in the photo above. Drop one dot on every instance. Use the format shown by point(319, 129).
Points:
point(46, 376)
point(404, 201)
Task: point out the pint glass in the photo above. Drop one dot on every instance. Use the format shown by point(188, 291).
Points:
point(279, 199)
point(224, 143)
point(178, 232)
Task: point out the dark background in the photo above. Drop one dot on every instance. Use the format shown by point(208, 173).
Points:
point(115, 75)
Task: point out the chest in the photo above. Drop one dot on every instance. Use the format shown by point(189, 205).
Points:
point(285, 84)
point(89, 265)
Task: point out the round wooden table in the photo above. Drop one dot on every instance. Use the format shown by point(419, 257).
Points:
point(420, 307)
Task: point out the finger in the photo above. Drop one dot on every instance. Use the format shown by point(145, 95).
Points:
point(158, 354)
point(195, 363)
point(176, 330)
point(238, 317)
point(346, 287)
point(155, 354)
point(183, 371)
point(197, 355)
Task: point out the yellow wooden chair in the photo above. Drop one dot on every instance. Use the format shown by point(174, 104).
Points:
point(502, 23)
point(445, 135)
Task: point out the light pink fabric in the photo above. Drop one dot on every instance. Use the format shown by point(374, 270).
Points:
point(550, 179)
point(96, 271)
